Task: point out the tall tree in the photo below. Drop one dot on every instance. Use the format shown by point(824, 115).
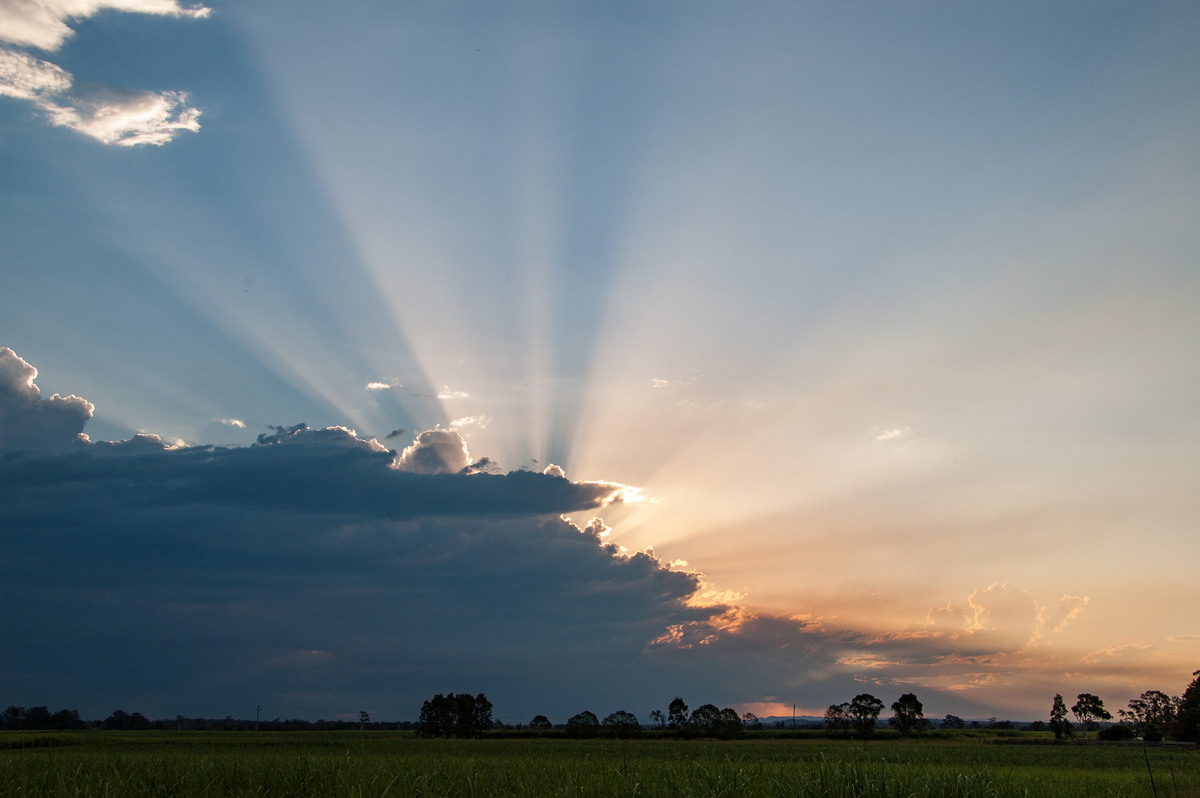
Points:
point(1151, 714)
point(1187, 721)
point(1058, 718)
point(864, 711)
point(1088, 709)
point(540, 723)
point(677, 713)
point(909, 714)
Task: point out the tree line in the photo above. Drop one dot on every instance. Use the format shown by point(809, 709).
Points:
point(1152, 716)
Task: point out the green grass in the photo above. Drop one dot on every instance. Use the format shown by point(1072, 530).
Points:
point(398, 764)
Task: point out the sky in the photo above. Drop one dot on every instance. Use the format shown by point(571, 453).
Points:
point(593, 354)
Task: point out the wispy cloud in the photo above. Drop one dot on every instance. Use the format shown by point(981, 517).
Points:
point(111, 115)
point(44, 23)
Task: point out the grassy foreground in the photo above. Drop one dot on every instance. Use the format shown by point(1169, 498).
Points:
point(401, 765)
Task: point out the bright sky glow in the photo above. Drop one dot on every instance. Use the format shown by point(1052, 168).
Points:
point(880, 316)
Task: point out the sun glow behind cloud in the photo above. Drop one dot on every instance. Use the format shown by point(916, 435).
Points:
point(873, 363)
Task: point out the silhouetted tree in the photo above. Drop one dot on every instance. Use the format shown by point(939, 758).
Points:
point(123, 721)
point(658, 718)
point(1058, 719)
point(540, 723)
point(953, 722)
point(1089, 709)
point(450, 715)
point(909, 714)
point(751, 721)
point(1151, 713)
point(704, 719)
point(677, 714)
point(837, 718)
point(1187, 720)
point(622, 724)
point(864, 711)
point(585, 724)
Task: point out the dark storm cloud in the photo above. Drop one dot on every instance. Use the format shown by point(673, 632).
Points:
point(312, 573)
point(309, 570)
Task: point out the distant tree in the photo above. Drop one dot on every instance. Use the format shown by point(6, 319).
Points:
point(658, 719)
point(540, 723)
point(837, 718)
point(1151, 713)
point(585, 724)
point(363, 717)
point(1058, 719)
point(621, 724)
point(122, 721)
point(864, 711)
point(1088, 710)
point(677, 714)
point(729, 724)
point(1187, 720)
point(704, 719)
point(39, 718)
point(450, 715)
point(909, 714)
point(953, 722)
point(1116, 733)
point(751, 721)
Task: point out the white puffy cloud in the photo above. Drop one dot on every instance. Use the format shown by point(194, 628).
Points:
point(29, 422)
point(125, 117)
point(435, 451)
point(44, 23)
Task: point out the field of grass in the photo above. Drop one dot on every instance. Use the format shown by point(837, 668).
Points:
point(398, 764)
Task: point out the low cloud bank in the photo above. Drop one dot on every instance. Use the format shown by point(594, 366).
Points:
point(317, 572)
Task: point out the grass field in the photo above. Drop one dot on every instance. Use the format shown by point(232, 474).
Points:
point(399, 764)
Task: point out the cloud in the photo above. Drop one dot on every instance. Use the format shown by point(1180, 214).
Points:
point(125, 117)
point(446, 393)
point(315, 567)
point(231, 422)
point(27, 421)
point(43, 23)
point(435, 451)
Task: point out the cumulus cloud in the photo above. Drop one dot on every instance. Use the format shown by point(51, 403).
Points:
point(202, 571)
point(435, 451)
point(27, 421)
point(125, 117)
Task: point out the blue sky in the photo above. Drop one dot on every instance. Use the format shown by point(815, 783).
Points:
point(873, 324)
